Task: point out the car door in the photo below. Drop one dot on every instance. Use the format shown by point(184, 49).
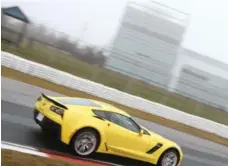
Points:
point(123, 137)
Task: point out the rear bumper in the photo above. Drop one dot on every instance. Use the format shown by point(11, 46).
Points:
point(48, 125)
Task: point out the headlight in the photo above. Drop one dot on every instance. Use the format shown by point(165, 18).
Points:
point(57, 110)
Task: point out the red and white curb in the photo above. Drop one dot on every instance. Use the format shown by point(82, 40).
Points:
point(52, 155)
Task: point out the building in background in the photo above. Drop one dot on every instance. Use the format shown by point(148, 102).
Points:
point(201, 78)
point(148, 47)
point(147, 42)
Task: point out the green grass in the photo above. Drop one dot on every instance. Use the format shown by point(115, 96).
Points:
point(68, 63)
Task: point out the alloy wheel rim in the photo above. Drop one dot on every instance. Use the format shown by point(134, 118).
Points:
point(85, 143)
point(170, 159)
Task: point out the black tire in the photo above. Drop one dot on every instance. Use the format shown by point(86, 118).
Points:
point(163, 156)
point(77, 138)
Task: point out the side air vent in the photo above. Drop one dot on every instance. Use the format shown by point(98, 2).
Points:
point(154, 149)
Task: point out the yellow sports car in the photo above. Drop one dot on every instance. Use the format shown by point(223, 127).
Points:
point(90, 126)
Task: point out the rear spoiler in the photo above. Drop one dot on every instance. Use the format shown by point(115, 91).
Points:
point(53, 101)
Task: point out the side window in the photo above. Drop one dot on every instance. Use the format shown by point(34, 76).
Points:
point(101, 114)
point(124, 121)
point(118, 119)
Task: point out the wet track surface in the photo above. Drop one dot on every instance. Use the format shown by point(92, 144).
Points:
point(18, 127)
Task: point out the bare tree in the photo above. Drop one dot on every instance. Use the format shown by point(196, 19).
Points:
point(88, 54)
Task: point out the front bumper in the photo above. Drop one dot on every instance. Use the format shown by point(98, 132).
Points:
point(48, 125)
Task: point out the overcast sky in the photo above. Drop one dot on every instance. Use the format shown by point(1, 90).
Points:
point(207, 32)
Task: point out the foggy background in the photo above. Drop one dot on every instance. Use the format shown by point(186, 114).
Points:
point(182, 65)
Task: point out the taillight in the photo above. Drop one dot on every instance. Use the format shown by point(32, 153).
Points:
point(57, 110)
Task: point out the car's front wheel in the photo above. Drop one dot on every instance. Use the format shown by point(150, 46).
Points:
point(169, 158)
point(85, 142)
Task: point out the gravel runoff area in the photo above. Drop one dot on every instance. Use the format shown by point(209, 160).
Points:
point(13, 158)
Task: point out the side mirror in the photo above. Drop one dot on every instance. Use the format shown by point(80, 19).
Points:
point(141, 132)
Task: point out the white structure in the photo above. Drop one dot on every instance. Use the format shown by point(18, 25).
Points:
point(147, 42)
point(201, 78)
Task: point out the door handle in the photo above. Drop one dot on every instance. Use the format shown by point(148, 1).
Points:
point(108, 124)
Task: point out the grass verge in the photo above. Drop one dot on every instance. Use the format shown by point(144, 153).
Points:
point(13, 74)
point(65, 62)
point(13, 158)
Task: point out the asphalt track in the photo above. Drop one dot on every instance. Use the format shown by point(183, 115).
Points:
point(18, 127)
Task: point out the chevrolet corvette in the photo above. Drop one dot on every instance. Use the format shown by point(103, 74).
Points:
point(90, 126)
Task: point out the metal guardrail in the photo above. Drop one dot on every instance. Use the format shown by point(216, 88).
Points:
point(73, 82)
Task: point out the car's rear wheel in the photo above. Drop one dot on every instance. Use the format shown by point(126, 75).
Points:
point(169, 158)
point(85, 142)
